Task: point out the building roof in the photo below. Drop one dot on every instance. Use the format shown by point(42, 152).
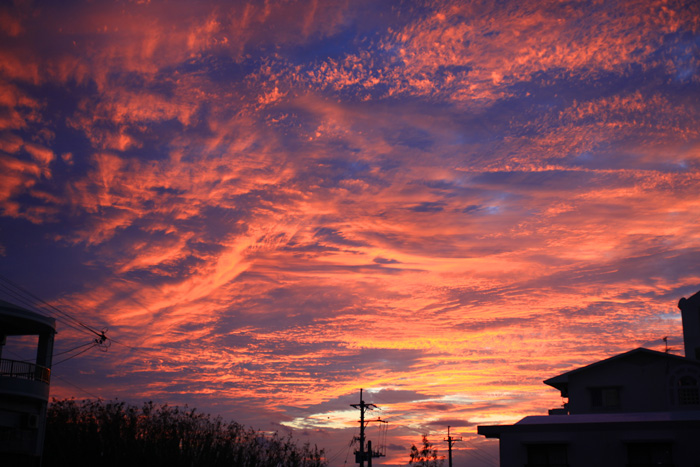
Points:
point(597, 422)
point(611, 417)
point(15, 320)
point(637, 355)
point(693, 300)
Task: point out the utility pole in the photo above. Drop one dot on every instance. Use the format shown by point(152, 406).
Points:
point(362, 455)
point(450, 441)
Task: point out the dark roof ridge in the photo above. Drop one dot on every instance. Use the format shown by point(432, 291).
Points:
point(693, 299)
point(11, 311)
point(563, 378)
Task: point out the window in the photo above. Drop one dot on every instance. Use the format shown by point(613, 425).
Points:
point(546, 455)
point(647, 454)
point(605, 398)
point(688, 391)
point(684, 386)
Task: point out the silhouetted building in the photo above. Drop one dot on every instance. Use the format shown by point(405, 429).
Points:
point(637, 409)
point(24, 383)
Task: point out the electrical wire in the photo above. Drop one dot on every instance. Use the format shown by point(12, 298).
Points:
point(54, 375)
point(26, 360)
point(73, 356)
point(24, 297)
point(383, 432)
point(335, 456)
point(482, 455)
point(74, 348)
point(30, 300)
point(109, 339)
point(16, 296)
point(347, 453)
point(37, 304)
point(43, 302)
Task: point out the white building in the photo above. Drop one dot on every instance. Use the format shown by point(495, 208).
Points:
point(24, 385)
point(637, 409)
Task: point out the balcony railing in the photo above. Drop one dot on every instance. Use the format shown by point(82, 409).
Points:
point(24, 370)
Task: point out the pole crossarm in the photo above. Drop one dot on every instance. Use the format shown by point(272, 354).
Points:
point(378, 419)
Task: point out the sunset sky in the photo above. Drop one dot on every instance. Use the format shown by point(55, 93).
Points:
point(273, 204)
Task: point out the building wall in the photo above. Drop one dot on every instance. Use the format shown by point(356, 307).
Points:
point(646, 384)
point(24, 386)
point(602, 446)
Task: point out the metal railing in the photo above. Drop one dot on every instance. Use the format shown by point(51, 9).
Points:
point(24, 370)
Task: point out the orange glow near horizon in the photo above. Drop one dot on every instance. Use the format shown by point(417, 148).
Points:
point(270, 205)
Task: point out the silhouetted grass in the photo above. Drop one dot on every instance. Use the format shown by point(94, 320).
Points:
point(111, 434)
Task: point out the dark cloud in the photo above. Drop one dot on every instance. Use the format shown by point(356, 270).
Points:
point(440, 424)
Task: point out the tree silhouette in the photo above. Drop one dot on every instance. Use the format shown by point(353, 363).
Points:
point(427, 456)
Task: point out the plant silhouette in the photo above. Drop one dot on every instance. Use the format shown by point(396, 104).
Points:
point(111, 434)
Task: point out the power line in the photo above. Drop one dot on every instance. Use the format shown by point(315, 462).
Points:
point(34, 303)
point(122, 344)
point(26, 360)
point(16, 296)
point(52, 307)
point(74, 348)
point(481, 454)
point(30, 300)
point(75, 386)
point(73, 356)
point(92, 344)
point(54, 375)
point(352, 442)
point(332, 458)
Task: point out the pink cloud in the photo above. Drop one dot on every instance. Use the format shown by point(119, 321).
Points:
point(41, 154)
point(10, 143)
point(16, 177)
point(19, 177)
point(465, 52)
point(10, 25)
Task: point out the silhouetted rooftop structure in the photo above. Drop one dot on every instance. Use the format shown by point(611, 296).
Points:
point(639, 408)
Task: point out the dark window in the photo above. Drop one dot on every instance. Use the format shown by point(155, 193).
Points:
point(649, 454)
point(546, 455)
point(688, 391)
point(605, 398)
